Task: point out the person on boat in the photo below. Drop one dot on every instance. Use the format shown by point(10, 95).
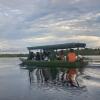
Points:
point(71, 56)
point(71, 77)
point(60, 55)
point(46, 55)
point(80, 58)
point(30, 56)
point(38, 57)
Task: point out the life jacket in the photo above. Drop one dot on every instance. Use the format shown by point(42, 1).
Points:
point(71, 57)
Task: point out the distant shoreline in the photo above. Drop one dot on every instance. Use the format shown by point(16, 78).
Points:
point(13, 55)
point(84, 52)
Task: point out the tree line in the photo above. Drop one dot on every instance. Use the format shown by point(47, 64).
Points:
point(86, 51)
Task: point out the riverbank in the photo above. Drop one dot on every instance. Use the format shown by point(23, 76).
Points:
point(13, 55)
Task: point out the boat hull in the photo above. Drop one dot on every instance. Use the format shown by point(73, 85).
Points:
point(31, 63)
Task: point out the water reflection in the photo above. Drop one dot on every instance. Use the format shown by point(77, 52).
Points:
point(63, 77)
point(46, 83)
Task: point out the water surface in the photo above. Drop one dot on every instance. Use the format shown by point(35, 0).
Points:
point(17, 83)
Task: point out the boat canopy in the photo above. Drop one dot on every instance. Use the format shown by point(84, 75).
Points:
point(59, 46)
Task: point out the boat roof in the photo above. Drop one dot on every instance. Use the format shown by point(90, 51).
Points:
point(59, 46)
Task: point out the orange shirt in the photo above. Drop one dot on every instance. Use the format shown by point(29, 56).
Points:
point(71, 57)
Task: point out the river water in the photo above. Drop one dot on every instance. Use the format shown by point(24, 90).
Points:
point(17, 83)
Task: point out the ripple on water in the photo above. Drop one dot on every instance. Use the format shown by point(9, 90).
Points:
point(25, 84)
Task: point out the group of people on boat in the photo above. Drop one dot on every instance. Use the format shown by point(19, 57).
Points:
point(71, 56)
point(38, 56)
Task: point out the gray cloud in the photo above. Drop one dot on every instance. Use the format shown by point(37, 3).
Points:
point(34, 22)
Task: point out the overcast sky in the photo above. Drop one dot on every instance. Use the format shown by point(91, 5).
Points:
point(37, 22)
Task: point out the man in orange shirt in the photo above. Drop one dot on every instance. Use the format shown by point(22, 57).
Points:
point(71, 56)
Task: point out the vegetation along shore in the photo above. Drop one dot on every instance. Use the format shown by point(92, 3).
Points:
point(86, 51)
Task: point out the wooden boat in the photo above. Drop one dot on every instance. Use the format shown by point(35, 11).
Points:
point(54, 62)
